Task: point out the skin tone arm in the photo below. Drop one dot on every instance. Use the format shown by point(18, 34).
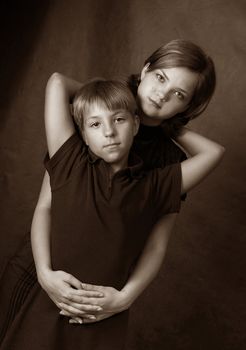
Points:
point(205, 155)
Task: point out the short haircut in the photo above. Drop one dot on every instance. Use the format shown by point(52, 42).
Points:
point(183, 53)
point(112, 94)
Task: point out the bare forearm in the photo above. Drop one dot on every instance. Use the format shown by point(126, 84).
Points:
point(150, 260)
point(194, 143)
point(40, 239)
point(40, 229)
point(205, 155)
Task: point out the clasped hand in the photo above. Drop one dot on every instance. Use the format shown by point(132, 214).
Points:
point(82, 302)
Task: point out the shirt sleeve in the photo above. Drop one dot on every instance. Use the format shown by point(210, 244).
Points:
point(166, 190)
point(65, 162)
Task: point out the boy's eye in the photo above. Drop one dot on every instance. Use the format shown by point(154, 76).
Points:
point(160, 77)
point(179, 95)
point(95, 125)
point(119, 119)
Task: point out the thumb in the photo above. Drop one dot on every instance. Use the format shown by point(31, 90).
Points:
point(74, 282)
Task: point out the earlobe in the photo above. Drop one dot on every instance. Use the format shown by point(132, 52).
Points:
point(144, 71)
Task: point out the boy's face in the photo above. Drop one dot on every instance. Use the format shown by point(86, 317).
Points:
point(109, 134)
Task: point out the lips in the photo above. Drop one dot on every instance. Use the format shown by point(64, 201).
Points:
point(111, 145)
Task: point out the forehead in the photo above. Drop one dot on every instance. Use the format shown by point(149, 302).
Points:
point(100, 110)
point(181, 77)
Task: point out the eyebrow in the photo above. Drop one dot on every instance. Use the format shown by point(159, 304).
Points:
point(92, 117)
point(180, 89)
point(165, 76)
point(115, 113)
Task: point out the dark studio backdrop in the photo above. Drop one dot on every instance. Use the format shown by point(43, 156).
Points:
point(198, 298)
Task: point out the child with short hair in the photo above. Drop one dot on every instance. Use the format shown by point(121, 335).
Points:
point(104, 206)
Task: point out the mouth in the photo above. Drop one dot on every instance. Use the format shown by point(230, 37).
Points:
point(111, 145)
point(155, 103)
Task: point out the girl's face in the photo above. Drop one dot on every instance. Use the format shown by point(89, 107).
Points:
point(164, 92)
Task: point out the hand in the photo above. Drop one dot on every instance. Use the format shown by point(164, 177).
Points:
point(66, 292)
point(89, 319)
point(113, 302)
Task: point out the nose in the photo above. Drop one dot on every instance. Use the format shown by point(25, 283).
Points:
point(109, 130)
point(162, 94)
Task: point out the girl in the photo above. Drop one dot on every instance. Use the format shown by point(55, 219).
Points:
point(104, 205)
point(166, 101)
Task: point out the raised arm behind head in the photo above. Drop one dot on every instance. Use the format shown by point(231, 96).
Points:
point(58, 120)
point(205, 155)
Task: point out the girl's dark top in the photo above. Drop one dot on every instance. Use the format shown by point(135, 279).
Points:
point(155, 148)
point(99, 228)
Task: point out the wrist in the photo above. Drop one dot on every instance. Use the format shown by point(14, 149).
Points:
point(126, 299)
point(43, 274)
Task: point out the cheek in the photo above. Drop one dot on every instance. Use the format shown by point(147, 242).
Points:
point(143, 88)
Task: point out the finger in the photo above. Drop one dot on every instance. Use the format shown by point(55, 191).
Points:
point(87, 320)
point(76, 295)
point(71, 321)
point(79, 309)
point(66, 313)
point(70, 279)
point(86, 293)
point(97, 318)
point(89, 317)
point(77, 320)
point(92, 287)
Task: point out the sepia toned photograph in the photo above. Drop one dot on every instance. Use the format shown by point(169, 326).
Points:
point(122, 152)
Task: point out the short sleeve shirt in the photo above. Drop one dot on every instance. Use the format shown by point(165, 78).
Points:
point(100, 221)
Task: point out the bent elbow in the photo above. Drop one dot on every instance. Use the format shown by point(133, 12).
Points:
point(220, 152)
point(54, 79)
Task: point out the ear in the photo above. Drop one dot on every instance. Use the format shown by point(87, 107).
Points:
point(144, 71)
point(136, 124)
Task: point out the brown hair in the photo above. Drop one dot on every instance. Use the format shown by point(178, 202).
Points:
point(110, 93)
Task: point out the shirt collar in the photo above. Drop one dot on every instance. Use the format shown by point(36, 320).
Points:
point(135, 163)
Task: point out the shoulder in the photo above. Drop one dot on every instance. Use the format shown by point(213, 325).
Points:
point(71, 156)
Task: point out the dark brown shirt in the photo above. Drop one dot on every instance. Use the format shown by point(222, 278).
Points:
point(99, 224)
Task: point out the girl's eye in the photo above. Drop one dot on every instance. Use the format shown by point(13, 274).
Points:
point(179, 95)
point(160, 77)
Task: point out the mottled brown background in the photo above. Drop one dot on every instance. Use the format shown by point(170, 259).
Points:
point(198, 300)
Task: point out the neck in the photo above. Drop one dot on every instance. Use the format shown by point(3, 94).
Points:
point(149, 121)
point(115, 167)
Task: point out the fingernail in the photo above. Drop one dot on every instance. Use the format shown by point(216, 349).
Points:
point(92, 317)
point(98, 308)
point(62, 313)
point(80, 321)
